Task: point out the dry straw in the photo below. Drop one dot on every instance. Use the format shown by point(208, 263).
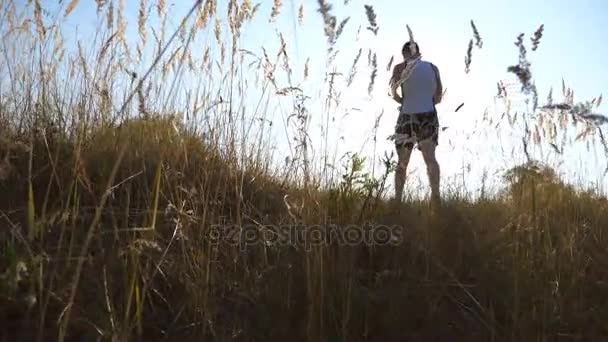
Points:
point(538, 34)
point(353, 69)
point(283, 53)
point(160, 7)
point(341, 27)
point(276, 9)
point(141, 23)
point(301, 14)
point(71, 7)
point(373, 75)
point(100, 4)
point(371, 18)
point(329, 21)
point(217, 30)
point(110, 16)
point(39, 21)
point(390, 63)
point(203, 18)
point(468, 57)
point(121, 23)
point(478, 40)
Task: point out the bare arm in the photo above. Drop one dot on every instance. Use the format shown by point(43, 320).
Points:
point(394, 78)
point(439, 90)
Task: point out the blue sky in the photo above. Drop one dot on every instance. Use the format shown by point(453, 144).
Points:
point(573, 48)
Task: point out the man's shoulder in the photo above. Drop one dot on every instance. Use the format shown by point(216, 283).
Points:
point(399, 66)
point(398, 69)
point(431, 64)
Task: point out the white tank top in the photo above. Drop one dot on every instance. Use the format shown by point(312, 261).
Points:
point(419, 89)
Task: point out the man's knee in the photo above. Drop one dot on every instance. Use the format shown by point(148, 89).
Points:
point(403, 154)
point(402, 166)
point(427, 147)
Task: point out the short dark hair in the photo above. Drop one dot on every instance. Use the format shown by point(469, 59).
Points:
point(406, 47)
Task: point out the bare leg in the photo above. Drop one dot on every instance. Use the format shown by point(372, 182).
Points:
point(403, 153)
point(432, 167)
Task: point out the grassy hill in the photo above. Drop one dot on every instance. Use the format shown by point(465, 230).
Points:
point(125, 223)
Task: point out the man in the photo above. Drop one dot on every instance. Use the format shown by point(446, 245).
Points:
point(421, 90)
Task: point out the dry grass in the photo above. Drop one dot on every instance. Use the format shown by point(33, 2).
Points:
point(468, 59)
point(476, 35)
point(121, 184)
point(371, 18)
point(276, 9)
point(538, 34)
point(301, 14)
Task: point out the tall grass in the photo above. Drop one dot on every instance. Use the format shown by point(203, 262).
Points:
point(141, 198)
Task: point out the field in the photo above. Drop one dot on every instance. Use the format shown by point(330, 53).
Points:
point(139, 202)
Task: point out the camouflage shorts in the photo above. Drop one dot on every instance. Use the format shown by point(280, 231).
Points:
point(421, 125)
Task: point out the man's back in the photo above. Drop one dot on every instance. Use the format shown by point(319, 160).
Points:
point(418, 90)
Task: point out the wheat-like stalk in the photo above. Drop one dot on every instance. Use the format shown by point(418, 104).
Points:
point(231, 6)
point(57, 41)
point(255, 9)
point(83, 61)
point(476, 35)
point(340, 28)
point(11, 14)
point(301, 15)
point(283, 52)
point(353, 69)
point(241, 14)
point(160, 7)
point(24, 28)
point(534, 97)
point(110, 16)
point(373, 75)
point(246, 11)
point(142, 102)
point(212, 7)
point(276, 9)
point(106, 46)
point(329, 21)
point(372, 19)
point(222, 52)
point(269, 69)
point(39, 21)
point(522, 69)
point(100, 4)
point(122, 28)
point(218, 31)
point(468, 57)
point(2, 3)
point(538, 34)
point(71, 7)
point(141, 24)
point(206, 58)
point(203, 17)
point(121, 23)
point(390, 63)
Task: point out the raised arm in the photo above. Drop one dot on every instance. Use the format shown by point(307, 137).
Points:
point(439, 90)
